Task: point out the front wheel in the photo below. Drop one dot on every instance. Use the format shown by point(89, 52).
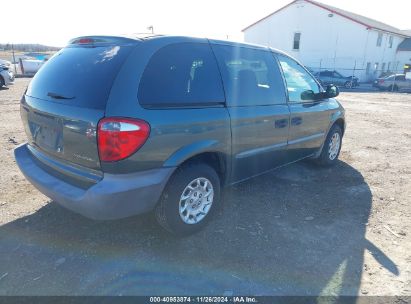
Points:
point(393, 88)
point(331, 148)
point(2, 83)
point(189, 200)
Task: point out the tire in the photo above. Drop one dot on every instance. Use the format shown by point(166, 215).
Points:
point(2, 83)
point(172, 207)
point(329, 155)
point(393, 88)
point(348, 85)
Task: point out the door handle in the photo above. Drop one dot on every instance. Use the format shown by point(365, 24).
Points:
point(281, 123)
point(296, 121)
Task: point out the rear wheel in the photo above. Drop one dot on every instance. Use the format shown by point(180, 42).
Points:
point(189, 200)
point(332, 147)
point(348, 85)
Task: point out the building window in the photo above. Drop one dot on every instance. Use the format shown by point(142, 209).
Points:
point(367, 70)
point(379, 39)
point(388, 67)
point(296, 42)
point(376, 66)
point(390, 41)
point(383, 67)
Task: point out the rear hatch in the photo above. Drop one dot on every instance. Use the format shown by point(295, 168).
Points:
point(68, 96)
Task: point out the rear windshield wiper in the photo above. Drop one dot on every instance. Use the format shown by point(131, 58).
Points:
point(57, 96)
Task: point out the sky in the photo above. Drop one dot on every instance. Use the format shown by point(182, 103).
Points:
point(55, 22)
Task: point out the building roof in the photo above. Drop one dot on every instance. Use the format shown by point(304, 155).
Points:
point(365, 21)
point(405, 45)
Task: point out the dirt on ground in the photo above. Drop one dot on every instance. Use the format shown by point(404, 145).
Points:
point(299, 230)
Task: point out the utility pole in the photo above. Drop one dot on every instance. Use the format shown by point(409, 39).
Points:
point(14, 59)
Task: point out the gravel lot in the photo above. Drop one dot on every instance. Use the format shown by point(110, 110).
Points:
point(299, 230)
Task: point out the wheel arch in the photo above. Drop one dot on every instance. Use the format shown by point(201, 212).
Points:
point(210, 152)
point(339, 122)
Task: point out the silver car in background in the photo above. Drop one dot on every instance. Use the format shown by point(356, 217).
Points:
point(6, 75)
point(393, 83)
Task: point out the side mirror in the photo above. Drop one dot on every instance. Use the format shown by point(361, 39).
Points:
point(308, 95)
point(332, 91)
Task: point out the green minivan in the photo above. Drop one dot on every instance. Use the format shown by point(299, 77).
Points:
point(120, 126)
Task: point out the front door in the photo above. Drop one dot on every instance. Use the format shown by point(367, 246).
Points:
point(256, 101)
point(309, 120)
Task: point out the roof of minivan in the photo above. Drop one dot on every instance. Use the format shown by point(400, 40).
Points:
point(218, 41)
point(148, 37)
point(177, 39)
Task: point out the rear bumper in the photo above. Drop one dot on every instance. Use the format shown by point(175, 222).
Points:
point(115, 196)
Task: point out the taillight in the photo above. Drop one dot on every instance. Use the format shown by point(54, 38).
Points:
point(85, 41)
point(381, 81)
point(118, 138)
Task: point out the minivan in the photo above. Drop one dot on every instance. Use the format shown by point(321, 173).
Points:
point(120, 126)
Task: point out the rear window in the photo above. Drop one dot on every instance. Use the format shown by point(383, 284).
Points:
point(181, 74)
point(80, 76)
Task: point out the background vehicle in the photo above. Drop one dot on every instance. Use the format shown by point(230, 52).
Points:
point(6, 76)
point(119, 126)
point(333, 77)
point(394, 83)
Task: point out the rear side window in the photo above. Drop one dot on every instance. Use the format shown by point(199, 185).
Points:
point(182, 74)
point(80, 76)
point(251, 77)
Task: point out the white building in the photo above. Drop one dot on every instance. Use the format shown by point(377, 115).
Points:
point(328, 38)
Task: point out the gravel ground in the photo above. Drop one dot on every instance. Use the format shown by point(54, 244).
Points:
point(300, 230)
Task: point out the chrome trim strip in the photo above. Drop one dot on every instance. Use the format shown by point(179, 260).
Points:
point(307, 138)
point(253, 152)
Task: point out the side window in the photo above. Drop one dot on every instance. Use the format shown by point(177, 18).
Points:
point(297, 79)
point(251, 77)
point(181, 74)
